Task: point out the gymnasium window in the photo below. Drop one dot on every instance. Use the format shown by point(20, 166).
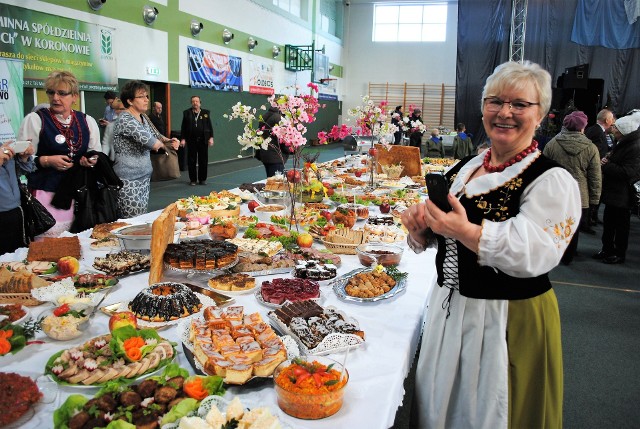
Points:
point(410, 23)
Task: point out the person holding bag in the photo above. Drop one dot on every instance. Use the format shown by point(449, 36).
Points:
point(133, 140)
point(165, 163)
point(11, 214)
point(61, 137)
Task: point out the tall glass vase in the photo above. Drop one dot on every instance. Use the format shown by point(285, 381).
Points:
point(373, 156)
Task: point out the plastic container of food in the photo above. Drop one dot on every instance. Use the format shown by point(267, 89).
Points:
point(316, 392)
point(385, 254)
point(265, 211)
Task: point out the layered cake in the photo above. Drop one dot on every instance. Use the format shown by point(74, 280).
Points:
point(166, 301)
point(314, 270)
point(201, 255)
point(236, 282)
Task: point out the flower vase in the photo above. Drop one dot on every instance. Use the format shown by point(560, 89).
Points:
point(372, 164)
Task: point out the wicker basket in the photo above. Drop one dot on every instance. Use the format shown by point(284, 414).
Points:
point(19, 298)
point(344, 241)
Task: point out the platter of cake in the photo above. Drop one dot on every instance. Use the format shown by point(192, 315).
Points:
point(255, 264)
point(233, 283)
point(276, 292)
point(370, 285)
point(163, 304)
point(317, 271)
point(207, 256)
point(318, 330)
point(233, 345)
point(123, 263)
point(126, 352)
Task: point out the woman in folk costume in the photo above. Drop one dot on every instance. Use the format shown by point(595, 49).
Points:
point(491, 354)
point(61, 136)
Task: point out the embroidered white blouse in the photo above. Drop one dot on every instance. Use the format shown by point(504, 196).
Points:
point(532, 242)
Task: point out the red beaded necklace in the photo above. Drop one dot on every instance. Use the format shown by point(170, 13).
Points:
point(67, 132)
point(519, 157)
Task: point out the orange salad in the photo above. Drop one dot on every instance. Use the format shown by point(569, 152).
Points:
point(310, 390)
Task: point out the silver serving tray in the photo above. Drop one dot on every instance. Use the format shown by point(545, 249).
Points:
point(340, 283)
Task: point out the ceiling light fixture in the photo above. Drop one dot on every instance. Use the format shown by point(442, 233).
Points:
point(196, 27)
point(252, 43)
point(96, 4)
point(149, 14)
point(227, 36)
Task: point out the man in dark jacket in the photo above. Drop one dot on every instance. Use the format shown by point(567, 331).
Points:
point(598, 135)
point(157, 119)
point(620, 169)
point(275, 156)
point(197, 133)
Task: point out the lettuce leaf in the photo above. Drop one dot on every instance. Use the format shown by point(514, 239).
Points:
point(120, 424)
point(183, 408)
point(68, 409)
point(213, 384)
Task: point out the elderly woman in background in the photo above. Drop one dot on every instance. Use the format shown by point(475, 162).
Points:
point(11, 216)
point(133, 139)
point(107, 138)
point(491, 353)
point(61, 136)
point(575, 152)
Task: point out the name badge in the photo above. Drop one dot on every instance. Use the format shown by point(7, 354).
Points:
point(60, 139)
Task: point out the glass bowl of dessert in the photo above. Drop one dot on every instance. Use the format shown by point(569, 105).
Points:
point(310, 388)
point(384, 254)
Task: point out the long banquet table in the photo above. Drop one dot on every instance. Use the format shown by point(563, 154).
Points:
point(377, 369)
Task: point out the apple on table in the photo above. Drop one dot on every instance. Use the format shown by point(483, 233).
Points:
point(122, 318)
point(252, 205)
point(305, 240)
point(68, 266)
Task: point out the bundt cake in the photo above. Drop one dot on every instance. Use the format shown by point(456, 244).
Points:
point(166, 301)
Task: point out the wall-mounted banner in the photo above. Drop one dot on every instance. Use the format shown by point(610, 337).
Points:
point(11, 98)
point(261, 81)
point(49, 42)
point(214, 71)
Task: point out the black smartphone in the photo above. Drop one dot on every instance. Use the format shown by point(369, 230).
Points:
point(438, 190)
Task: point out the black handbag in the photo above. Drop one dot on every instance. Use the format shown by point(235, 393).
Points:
point(37, 219)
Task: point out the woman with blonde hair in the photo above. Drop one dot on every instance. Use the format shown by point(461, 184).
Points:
point(491, 354)
point(61, 137)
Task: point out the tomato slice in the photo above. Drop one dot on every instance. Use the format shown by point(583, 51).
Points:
point(62, 310)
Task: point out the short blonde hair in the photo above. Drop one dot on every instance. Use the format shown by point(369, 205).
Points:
point(435, 132)
point(518, 76)
point(65, 77)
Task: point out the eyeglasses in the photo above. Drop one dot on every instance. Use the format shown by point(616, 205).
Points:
point(494, 104)
point(51, 93)
point(142, 96)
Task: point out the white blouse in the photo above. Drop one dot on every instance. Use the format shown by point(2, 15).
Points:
point(532, 242)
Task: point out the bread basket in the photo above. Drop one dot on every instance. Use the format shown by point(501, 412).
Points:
point(344, 241)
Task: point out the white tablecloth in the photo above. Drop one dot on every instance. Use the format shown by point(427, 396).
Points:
point(377, 369)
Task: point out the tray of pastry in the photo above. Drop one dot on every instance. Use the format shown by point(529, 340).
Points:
point(236, 346)
point(318, 330)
